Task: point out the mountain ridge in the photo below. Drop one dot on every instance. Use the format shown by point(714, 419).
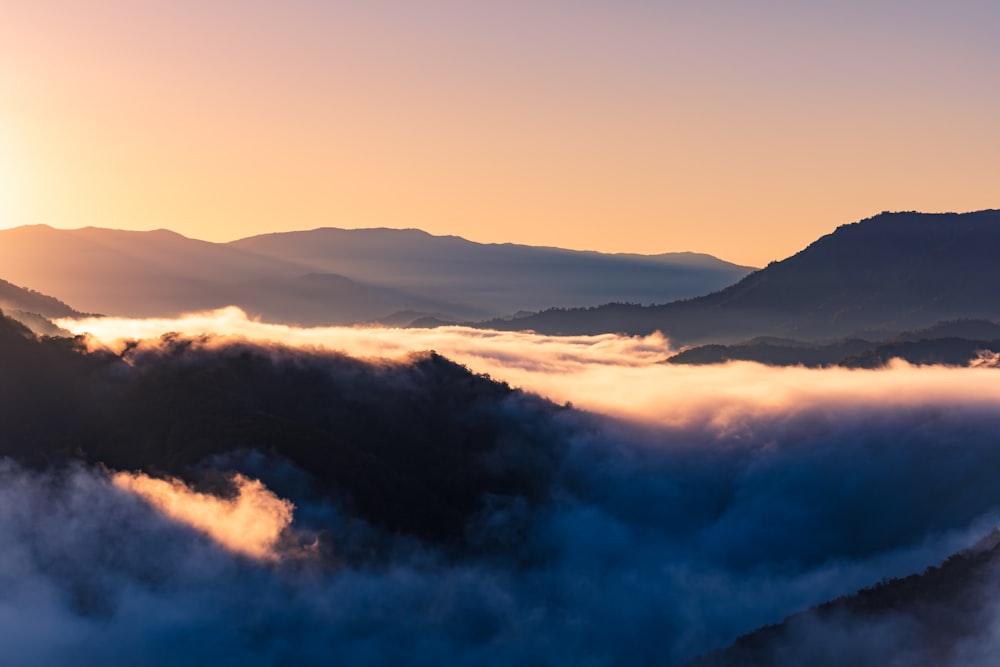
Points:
point(889, 272)
point(511, 276)
point(707, 258)
point(162, 273)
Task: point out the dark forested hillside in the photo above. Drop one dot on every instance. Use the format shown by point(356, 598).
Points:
point(13, 297)
point(937, 617)
point(412, 446)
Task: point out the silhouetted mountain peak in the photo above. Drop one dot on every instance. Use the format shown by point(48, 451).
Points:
point(905, 235)
point(914, 261)
point(888, 273)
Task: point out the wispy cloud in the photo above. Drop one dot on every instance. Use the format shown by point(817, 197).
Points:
point(617, 375)
point(251, 523)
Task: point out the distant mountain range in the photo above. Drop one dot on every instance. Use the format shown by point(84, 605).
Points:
point(866, 282)
point(955, 343)
point(334, 276)
point(505, 277)
point(889, 273)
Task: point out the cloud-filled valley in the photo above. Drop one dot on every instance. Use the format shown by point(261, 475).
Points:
point(612, 374)
point(488, 334)
point(437, 516)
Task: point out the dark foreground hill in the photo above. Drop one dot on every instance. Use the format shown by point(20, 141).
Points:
point(937, 617)
point(889, 273)
point(412, 446)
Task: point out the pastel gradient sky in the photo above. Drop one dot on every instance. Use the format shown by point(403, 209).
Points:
point(744, 129)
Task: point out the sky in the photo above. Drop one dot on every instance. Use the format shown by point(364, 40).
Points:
point(742, 129)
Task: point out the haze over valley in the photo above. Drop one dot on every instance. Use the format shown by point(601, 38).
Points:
point(331, 276)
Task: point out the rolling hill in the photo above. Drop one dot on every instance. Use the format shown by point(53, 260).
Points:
point(17, 298)
point(331, 276)
point(503, 277)
point(34, 309)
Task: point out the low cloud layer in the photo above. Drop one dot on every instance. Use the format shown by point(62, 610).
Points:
point(732, 497)
point(616, 375)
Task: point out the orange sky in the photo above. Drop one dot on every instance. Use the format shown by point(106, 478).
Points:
point(631, 125)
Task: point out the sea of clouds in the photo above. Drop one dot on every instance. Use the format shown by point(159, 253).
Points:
point(689, 505)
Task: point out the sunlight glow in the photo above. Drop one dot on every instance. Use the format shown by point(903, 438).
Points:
point(249, 524)
point(616, 375)
point(8, 213)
